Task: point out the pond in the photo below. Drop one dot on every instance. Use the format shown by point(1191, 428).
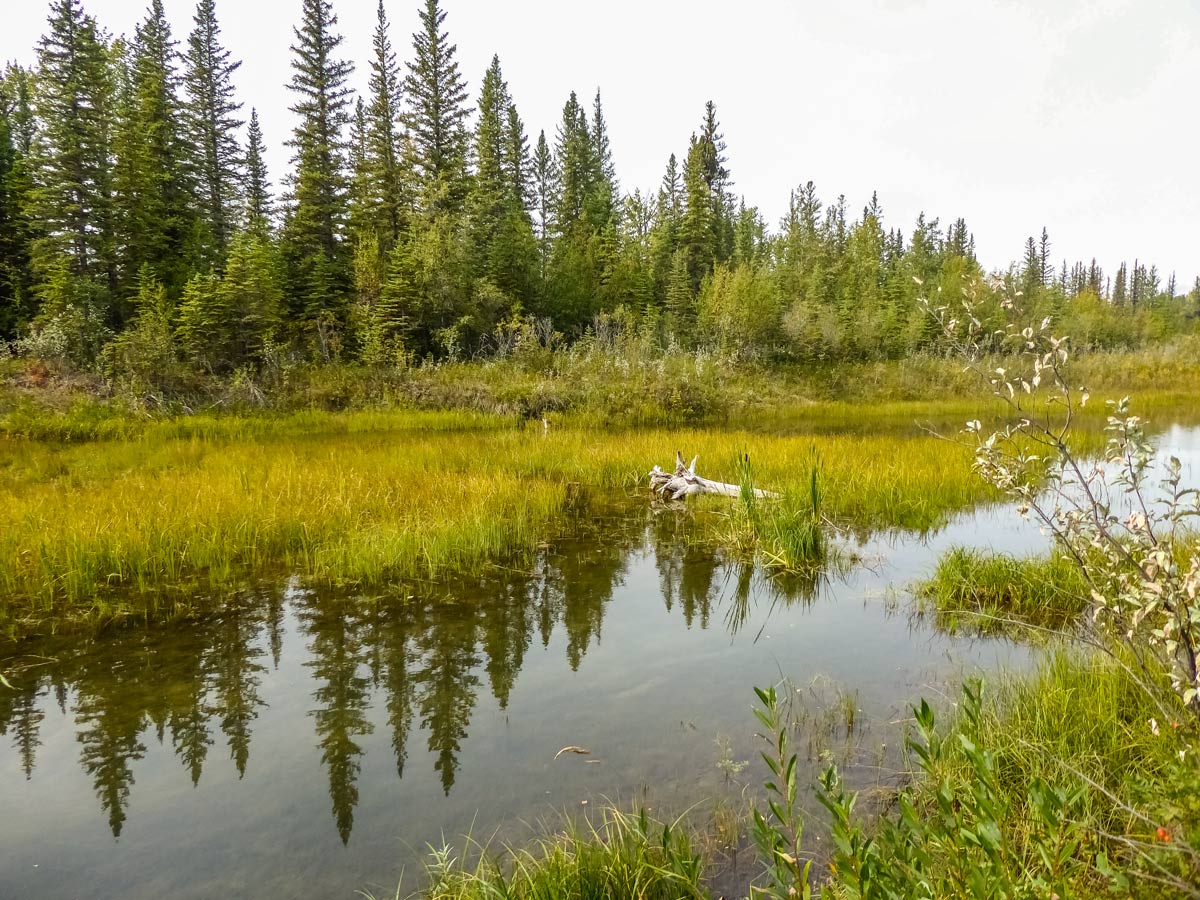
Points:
point(300, 743)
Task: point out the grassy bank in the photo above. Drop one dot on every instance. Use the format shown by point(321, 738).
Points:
point(1072, 782)
point(376, 498)
point(590, 382)
point(625, 856)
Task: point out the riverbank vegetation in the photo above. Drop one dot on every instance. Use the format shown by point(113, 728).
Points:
point(994, 593)
point(144, 242)
point(389, 498)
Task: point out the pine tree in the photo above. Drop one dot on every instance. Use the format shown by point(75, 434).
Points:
point(16, 229)
point(437, 97)
point(155, 187)
point(697, 235)
point(505, 248)
point(383, 142)
point(212, 125)
point(545, 196)
point(257, 188)
point(72, 174)
point(518, 167)
point(314, 246)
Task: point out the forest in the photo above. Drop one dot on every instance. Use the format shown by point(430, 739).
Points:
point(142, 237)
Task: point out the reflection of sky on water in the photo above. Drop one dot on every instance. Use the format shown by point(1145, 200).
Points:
point(296, 744)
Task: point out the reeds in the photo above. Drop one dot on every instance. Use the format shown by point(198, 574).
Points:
point(995, 593)
point(625, 856)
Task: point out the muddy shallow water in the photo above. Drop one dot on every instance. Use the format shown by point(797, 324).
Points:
point(301, 744)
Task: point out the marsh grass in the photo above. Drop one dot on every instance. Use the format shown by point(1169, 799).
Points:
point(989, 593)
point(1085, 714)
point(377, 498)
point(624, 856)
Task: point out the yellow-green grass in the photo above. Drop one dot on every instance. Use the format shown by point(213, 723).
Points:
point(625, 856)
point(373, 498)
point(996, 593)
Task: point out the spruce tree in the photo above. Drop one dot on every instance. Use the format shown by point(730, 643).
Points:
point(212, 129)
point(316, 255)
point(72, 174)
point(574, 156)
point(604, 179)
point(156, 189)
point(518, 166)
point(383, 145)
point(16, 229)
point(437, 112)
point(545, 196)
point(697, 234)
point(257, 187)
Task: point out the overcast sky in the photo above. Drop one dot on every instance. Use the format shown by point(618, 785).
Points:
point(1080, 115)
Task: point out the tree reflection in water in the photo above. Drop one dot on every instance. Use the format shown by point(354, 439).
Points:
point(422, 658)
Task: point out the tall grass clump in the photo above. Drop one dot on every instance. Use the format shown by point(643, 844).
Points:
point(786, 532)
point(625, 856)
point(995, 593)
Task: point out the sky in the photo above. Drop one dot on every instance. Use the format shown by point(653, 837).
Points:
point(1080, 116)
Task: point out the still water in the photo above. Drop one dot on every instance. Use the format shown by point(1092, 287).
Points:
point(301, 744)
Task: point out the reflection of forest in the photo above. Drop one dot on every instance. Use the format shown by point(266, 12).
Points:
point(425, 658)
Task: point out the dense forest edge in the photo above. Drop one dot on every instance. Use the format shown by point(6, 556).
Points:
point(143, 244)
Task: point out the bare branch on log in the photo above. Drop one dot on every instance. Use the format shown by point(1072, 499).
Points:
point(684, 483)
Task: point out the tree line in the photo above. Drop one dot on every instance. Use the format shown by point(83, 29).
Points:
point(139, 229)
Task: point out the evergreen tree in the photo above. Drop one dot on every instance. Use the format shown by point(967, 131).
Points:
point(314, 247)
point(1119, 289)
point(518, 166)
point(383, 142)
point(437, 97)
point(212, 125)
point(154, 183)
point(697, 235)
point(257, 188)
point(575, 162)
point(72, 175)
point(1045, 266)
point(545, 196)
point(604, 188)
point(16, 230)
point(1031, 268)
point(506, 250)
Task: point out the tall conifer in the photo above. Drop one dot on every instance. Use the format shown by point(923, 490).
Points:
point(314, 245)
point(72, 192)
point(212, 120)
point(437, 111)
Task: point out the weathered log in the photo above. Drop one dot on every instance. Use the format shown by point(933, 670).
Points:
point(684, 482)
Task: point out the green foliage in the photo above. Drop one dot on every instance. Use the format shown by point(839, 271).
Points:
point(625, 856)
point(212, 124)
point(778, 835)
point(437, 97)
point(993, 593)
point(153, 185)
point(226, 321)
point(314, 248)
point(143, 356)
point(72, 163)
point(1064, 783)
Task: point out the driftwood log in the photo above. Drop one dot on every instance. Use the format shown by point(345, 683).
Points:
point(684, 483)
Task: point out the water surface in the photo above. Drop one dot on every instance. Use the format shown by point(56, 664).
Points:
point(298, 743)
